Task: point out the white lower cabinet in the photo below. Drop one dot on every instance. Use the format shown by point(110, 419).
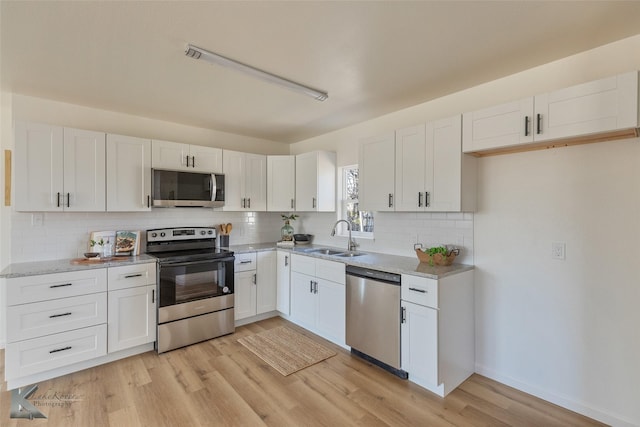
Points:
point(283, 282)
point(64, 322)
point(254, 284)
point(437, 331)
point(318, 296)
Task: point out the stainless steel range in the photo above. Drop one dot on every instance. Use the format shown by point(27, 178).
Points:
point(195, 286)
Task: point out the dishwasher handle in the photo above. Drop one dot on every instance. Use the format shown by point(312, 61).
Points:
point(380, 276)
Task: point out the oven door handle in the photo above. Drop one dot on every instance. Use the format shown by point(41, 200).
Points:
point(204, 261)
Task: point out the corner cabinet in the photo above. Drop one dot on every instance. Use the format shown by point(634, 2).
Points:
point(437, 331)
point(318, 297)
point(315, 182)
point(281, 183)
point(431, 173)
point(595, 111)
point(59, 169)
point(245, 181)
point(132, 306)
point(376, 163)
point(128, 174)
point(185, 157)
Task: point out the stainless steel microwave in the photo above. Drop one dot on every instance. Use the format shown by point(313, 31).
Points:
point(187, 189)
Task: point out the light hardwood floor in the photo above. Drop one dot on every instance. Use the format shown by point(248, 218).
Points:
point(221, 383)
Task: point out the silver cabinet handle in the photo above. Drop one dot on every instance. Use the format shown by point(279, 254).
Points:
point(310, 286)
point(68, 200)
point(403, 315)
point(286, 260)
point(193, 161)
point(153, 296)
point(426, 199)
point(187, 161)
point(390, 200)
point(315, 287)
point(419, 199)
point(526, 125)
point(247, 261)
point(539, 124)
point(255, 278)
point(60, 349)
point(291, 203)
point(422, 291)
point(58, 199)
point(249, 203)
point(129, 276)
point(53, 316)
point(148, 201)
point(313, 203)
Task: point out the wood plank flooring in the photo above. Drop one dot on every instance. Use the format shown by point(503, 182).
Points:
point(221, 383)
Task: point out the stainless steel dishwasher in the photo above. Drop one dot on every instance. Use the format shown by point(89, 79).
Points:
point(373, 317)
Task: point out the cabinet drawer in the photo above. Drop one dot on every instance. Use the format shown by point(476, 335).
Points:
point(131, 276)
point(245, 262)
point(37, 319)
point(420, 290)
point(331, 270)
point(303, 264)
point(54, 351)
point(28, 289)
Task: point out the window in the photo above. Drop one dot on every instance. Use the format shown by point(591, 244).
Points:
point(361, 221)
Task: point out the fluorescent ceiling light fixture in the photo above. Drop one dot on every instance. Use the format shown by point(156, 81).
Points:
point(198, 53)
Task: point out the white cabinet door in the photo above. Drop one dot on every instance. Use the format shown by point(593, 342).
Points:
point(331, 321)
point(376, 162)
point(128, 174)
point(132, 317)
point(234, 165)
point(84, 171)
point(266, 299)
point(283, 275)
point(205, 159)
point(419, 350)
point(38, 167)
point(598, 106)
point(303, 301)
point(256, 182)
point(316, 182)
point(169, 155)
point(245, 294)
point(443, 168)
point(281, 183)
point(504, 125)
point(411, 169)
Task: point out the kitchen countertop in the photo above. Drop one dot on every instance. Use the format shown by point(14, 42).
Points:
point(35, 268)
point(382, 262)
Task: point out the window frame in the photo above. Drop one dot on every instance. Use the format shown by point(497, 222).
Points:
point(342, 210)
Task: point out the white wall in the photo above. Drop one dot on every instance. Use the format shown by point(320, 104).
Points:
point(567, 331)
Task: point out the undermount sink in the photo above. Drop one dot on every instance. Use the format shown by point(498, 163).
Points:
point(350, 254)
point(325, 251)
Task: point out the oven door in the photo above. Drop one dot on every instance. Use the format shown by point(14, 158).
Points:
point(183, 282)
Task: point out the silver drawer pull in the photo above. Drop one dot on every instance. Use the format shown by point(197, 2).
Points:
point(59, 286)
point(60, 349)
point(133, 275)
point(59, 315)
point(422, 291)
point(246, 262)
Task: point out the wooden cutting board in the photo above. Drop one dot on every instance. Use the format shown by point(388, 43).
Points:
point(88, 261)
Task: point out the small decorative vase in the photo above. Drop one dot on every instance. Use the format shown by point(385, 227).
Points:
point(286, 232)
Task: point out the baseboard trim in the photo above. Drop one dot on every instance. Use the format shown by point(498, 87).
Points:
point(557, 399)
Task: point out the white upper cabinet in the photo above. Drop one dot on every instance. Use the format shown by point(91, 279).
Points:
point(432, 174)
point(315, 182)
point(185, 157)
point(281, 183)
point(59, 169)
point(128, 174)
point(577, 114)
point(377, 173)
point(245, 181)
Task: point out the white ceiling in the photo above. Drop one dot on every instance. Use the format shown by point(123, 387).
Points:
point(372, 57)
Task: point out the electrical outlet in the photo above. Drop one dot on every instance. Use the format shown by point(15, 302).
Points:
point(37, 219)
point(558, 250)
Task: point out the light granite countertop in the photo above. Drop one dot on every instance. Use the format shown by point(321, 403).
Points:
point(36, 268)
point(383, 262)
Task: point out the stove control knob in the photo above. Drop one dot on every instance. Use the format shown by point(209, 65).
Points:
point(154, 234)
point(203, 232)
point(162, 234)
point(210, 232)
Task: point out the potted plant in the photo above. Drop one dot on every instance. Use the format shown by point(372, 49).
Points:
point(286, 231)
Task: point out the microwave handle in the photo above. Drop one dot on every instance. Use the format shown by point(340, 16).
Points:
point(213, 187)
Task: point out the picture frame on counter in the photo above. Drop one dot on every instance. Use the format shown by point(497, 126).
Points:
point(127, 243)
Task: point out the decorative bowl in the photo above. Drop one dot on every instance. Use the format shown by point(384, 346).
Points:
point(436, 259)
point(91, 254)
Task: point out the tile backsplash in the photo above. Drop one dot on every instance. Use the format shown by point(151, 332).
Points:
point(56, 235)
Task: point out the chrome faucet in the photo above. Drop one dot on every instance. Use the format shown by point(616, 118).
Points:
point(351, 245)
